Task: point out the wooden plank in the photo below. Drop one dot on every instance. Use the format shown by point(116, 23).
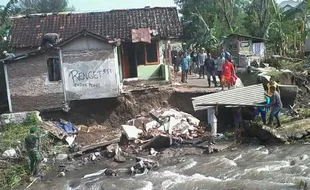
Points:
point(96, 145)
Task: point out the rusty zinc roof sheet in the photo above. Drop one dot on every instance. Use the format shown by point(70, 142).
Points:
point(245, 96)
point(26, 31)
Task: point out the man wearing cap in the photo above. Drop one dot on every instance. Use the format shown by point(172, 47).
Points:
point(31, 145)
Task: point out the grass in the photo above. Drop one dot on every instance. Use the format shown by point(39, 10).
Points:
point(12, 136)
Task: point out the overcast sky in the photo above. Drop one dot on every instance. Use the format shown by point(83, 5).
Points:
point(94, 5)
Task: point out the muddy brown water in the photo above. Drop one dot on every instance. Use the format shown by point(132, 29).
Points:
point(247, 167)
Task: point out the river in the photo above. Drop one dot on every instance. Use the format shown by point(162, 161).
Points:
point(247, 167)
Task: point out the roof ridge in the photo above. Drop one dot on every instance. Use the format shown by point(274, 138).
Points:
point(88, 12)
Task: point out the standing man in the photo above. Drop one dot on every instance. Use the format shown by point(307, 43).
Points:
point(201, 60)
point(175, 63)
point(185, 61)
point(226, 54)
point(194, 58)
point(220, 61)
point(276, 106)
point(228, 70)
point(32, 147)
point(210, 65)
point(212, 123)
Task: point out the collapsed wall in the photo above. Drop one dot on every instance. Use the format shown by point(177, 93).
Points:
point(117, 111)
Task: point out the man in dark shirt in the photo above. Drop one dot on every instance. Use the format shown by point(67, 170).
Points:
point(194, 58)
point(276, 106)
point(31, 145)
point(211, 70)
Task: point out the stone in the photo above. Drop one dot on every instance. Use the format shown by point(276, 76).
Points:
point(61, 157)
point(111, 149)
point(119, 158)
point(97, 154)
point(11, 153)
point(153, 152)
point(193, 121)
point(110, 172)
point(151, 125)
point(92, 157)
point(131, 132)
point(61, 174)
point(160, 141)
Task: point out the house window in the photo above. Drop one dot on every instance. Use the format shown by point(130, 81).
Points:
point(53, 68)
point(151, 53)
point(146, 53)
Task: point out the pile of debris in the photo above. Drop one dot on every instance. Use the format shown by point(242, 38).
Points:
point(161, 127)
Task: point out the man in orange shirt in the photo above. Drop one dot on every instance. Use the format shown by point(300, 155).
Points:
point(228, 70)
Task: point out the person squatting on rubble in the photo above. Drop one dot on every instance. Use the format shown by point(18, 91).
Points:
point(32, 147)
point(272, 82)
point(238, 122)
point(201, 60)
point(212, 123)
point(185, 61)
point(228, 70)
point(211, 69)
point(275, 106)
point(194, 58)
point(49, 40)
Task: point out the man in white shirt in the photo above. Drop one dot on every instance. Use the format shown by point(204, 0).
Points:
point(201, 60)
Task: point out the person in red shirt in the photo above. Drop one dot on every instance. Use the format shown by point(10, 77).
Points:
point(228, 70)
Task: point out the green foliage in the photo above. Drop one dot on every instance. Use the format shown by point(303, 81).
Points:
point(31, 119)
point(14, 175)
point(43, 6)
point(206, 22)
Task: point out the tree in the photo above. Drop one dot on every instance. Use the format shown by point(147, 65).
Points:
point(258, 17)
point(43, 6)
point(205, 22)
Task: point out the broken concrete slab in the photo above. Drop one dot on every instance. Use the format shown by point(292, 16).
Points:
point(131, 132)
point(158, 142)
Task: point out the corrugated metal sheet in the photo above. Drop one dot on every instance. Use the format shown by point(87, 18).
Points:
point(246, 96)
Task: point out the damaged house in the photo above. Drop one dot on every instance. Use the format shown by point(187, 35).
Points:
point(96, 52)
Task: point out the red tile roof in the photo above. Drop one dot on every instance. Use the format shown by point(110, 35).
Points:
point(27, 31)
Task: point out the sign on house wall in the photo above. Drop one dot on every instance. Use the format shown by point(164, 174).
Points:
point(91, 79)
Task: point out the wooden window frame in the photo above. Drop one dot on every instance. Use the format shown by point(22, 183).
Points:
point(157, 54)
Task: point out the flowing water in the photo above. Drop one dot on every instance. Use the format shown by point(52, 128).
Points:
point(255, 167)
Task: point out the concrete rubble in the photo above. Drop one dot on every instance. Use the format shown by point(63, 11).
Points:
point(143, 166)
point(162, 127)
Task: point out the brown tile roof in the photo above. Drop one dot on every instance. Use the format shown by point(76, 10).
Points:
point(27, 31)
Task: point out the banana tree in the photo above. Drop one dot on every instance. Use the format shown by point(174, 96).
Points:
point(205, 35)
point(275, 30)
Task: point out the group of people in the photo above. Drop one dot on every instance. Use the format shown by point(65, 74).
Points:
point(202, 61)
point(273, 101)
